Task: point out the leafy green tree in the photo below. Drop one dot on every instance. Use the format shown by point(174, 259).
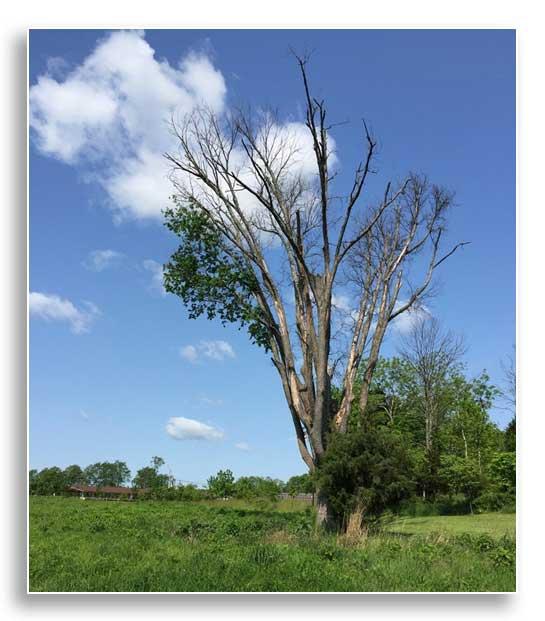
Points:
point(503, 472)
point(157, 463)
point(49, 481)
point(469, 432)
point(257, 487)
point(73, 475)
point(462, 476)
point(150, 478)
point(510, 436)
point(500, 492)
point(189, 492)
point(144, 478)
point(395, 385)
point(106, 473)
point(32, 478)
point(93, 473)
point(208, 279)
point(222, 485)
point(300, 484)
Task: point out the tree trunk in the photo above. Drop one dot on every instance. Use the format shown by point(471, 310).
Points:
point(324, 518)
point(465, 443)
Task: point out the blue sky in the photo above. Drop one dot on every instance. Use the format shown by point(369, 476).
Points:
point(106, 366)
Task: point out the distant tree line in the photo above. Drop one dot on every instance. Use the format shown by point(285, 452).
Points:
point(55, 480)
point(157, 485)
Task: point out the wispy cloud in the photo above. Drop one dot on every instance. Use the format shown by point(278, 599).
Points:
point(54, 308)
point(211, 350)
point(181, 428)
point(204, 400)
point(156, 270)
point(189, 353)
point(345, 315)
point(405, 322)
point(216, 350)
point(242, 446)
point(99, 260)
point(341, 302)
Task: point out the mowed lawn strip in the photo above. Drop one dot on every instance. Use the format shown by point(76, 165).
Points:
point(493, 524)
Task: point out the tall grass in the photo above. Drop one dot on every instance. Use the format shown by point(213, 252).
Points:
point(171, 546)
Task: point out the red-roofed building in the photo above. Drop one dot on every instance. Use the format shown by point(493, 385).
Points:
point(107, 491)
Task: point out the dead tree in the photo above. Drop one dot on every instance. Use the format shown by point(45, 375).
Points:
point(509, 392)
point(295, 237)
point(432, 355)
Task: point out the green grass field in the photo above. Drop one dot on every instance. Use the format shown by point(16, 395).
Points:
point(493, 524)
point(235, 546)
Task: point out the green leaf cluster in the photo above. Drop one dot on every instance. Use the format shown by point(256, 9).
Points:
point(210, 276)
point(222, 485)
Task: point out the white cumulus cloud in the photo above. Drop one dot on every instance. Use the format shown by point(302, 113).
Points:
point(212, 350)
point(112, 111)
point(54, 308)
point(294, 146)
point(181, 428)
point(99, 260)
point(109, 116)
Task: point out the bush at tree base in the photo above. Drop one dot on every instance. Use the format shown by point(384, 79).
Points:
point(367, 470)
